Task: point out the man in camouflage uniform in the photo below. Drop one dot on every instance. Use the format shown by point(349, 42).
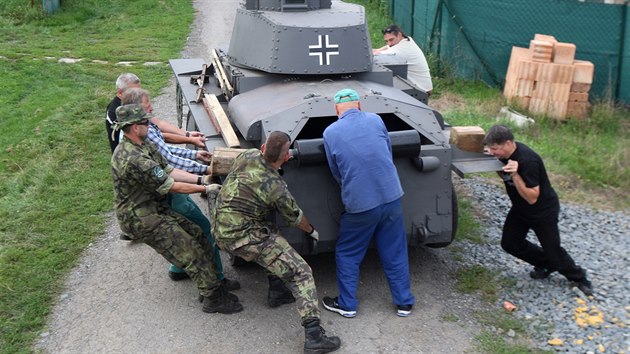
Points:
point(142, 179)
point(180, 203)
point(252, 191)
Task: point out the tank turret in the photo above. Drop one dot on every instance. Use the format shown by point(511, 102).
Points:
point(305, 37)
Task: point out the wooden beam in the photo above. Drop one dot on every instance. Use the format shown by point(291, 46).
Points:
point(220, 120)
point(222, 159)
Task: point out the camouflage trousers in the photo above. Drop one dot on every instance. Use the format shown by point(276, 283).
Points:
point(273, 252)
point(183, 244)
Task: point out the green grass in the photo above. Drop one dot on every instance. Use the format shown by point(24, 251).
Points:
point(55, 184)
point(468, 228)
point(477, 279)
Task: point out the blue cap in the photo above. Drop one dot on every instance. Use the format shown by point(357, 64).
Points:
point(346, 95)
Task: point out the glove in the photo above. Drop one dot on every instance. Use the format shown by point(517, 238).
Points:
point(313, 234)
point(212, 189)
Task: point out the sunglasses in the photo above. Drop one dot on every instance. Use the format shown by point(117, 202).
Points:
point(144, 122)
point(391, 29)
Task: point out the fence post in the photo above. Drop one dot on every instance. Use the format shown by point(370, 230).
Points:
point(622, 40)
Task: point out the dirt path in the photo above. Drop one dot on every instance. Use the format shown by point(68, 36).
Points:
point(120, 299)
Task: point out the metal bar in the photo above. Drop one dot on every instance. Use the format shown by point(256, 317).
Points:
point(622, 40)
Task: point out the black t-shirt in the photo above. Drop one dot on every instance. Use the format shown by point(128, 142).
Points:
point(532, 170)
point(110, 118)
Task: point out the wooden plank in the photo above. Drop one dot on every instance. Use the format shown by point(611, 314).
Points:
point(467, 138)
point(222, 159)
point(583, 72)
point(563, 53)
point(218, 116)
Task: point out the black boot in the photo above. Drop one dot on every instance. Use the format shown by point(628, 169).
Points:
point(220, 301)
point(316, 339)
point(278, 293)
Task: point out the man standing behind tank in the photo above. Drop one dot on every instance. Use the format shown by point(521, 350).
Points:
point(359, 155)
point(405, 47)
point(251, 193)
point(142, 179)
point(535, 206)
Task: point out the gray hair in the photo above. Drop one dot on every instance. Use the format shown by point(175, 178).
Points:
point(498, 134)
point(134, 95)
point(126, 79)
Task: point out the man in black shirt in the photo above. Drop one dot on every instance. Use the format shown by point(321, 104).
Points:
point(535, 206)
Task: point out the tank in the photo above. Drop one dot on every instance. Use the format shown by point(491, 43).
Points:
point(285, 61)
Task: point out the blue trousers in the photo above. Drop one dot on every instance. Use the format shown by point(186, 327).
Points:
point(385, 224)
point(184, 205)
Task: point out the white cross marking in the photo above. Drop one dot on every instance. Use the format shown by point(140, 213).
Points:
point(324, 49)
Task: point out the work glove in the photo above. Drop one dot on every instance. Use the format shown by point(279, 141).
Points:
point(207, 180)
point(213, 189)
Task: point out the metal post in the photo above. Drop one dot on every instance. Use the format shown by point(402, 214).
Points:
point(622, 40)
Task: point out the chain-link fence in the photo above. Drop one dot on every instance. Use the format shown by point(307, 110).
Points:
point(474, 38)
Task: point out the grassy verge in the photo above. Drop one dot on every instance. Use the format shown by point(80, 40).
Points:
point(55, 184)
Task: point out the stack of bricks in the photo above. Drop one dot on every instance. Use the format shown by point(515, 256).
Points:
point(546, 79)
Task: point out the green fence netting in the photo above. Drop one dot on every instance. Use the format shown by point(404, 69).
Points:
point(475, 38)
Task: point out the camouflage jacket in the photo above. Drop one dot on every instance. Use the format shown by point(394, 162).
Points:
point(141, 181)
point(251, 193)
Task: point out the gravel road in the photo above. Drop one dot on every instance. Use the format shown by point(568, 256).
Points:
point(119, 299)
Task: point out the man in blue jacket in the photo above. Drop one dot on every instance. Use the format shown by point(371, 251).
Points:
point(359, 155)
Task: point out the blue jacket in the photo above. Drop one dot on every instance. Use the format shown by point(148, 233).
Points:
point(359, 155)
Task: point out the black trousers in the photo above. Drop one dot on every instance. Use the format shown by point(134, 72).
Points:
point(550, 256)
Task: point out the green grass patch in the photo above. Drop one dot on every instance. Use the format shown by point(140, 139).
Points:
point(55, 178)
point(477, 279)
point(468, 228)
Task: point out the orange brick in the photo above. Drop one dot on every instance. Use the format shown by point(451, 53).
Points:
point(578, 110)
point(538, 105)
point(524, 88)
point(522, 102)
point(578, 97)
point(560, 92)
point(541, 90)
point(563, 53)
point(557, 109)
point(583, 72)
point(517, 56)
point(527, 70)
point(545, 37)
point(580, 87)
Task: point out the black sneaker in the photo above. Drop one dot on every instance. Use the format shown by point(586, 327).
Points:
point(540, 273)
point(178, 276)
point(230, 285)
point(585, 286)
point(404, 310)
point(331, 304)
